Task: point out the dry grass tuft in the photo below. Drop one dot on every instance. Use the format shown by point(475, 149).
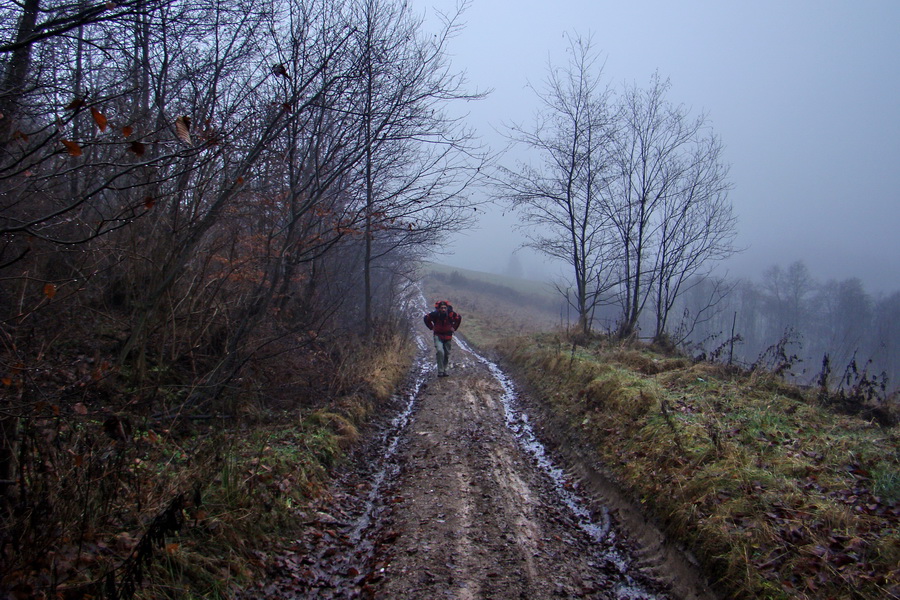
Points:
point(605, 393)
point(343, 432)
point(387, 367)
point(637, 361)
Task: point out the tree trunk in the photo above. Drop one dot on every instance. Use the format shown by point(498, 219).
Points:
point(13, 87)
point(370, 200)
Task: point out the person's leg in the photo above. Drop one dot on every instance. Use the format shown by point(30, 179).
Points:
point(447, 346)
point(439, 354)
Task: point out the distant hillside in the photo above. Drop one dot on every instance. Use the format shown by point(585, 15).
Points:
point(504, 283)
point(495, 306)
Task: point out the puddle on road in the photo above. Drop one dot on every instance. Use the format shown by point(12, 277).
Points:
point(390, 440)
point(599, 527)
point(359, 533)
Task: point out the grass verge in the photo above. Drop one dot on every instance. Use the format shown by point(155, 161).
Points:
point(118, 510)
point(778, 497)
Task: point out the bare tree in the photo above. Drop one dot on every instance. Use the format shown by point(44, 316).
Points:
point(787, 296)
point(842, 321)
point(668, 201)
point(885, 335)
point(697, 226)
point(561, 200)
point(418, 160)
point(632, 195)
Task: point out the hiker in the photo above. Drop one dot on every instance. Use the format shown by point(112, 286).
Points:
point(443, 322)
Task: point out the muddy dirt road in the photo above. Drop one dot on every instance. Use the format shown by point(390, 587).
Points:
point(457, 498)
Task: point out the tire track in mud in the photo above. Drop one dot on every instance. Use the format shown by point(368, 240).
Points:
point(456, 498)
point(528, 539)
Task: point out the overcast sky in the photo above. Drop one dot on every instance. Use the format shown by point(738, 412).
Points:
point(804, 94)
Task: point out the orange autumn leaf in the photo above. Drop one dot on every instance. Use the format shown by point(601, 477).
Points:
point(149, 202)
point(183, 129)
point(99, 118)
point(6, 381)
point(172, 548)
point(127, 131)
point(50, 290)
point(137, 147)
point(73, 148)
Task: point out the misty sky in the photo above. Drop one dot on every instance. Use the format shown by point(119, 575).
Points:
point(804, 94)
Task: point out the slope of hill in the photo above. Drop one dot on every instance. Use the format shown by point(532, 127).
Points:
point(494, 306)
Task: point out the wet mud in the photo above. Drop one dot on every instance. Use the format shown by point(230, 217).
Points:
point(456, 496)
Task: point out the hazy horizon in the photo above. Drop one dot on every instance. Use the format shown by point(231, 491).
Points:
point(802, 94)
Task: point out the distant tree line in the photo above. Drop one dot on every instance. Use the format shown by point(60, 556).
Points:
point(833, 329)
point(203, 187)
point(627, 189)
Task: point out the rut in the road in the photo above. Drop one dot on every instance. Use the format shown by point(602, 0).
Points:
point(477, 519)
point(462, 502)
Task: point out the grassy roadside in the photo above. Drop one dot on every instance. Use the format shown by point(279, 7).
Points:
point(776, 495)
point(188, 511)
point(270, 475)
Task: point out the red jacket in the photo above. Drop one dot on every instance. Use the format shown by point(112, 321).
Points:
point(443, 325)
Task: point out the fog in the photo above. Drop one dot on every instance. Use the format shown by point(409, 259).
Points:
point(803, 95)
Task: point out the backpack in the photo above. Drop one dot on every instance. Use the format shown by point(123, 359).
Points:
point(449, 306)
